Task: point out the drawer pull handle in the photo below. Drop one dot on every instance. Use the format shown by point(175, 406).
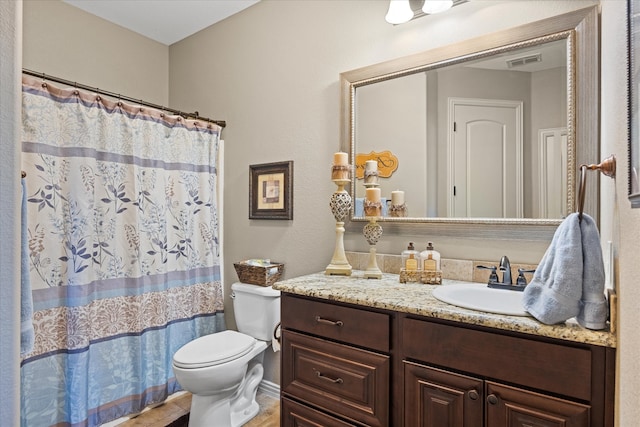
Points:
point(473, 395)
point(329, 322)
point(492, 399)
point(326, 378)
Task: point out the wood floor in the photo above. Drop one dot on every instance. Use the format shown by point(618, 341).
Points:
point(175, 413)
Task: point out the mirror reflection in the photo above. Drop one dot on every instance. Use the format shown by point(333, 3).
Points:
point(483, 138)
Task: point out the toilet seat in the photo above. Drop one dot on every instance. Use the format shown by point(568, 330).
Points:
point(213, 349)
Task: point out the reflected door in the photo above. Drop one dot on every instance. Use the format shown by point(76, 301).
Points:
point(552, 158)
point(485, 159)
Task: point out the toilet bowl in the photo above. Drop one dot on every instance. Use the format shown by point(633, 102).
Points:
point(223, 370)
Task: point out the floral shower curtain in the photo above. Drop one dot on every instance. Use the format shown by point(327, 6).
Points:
point(123, 250)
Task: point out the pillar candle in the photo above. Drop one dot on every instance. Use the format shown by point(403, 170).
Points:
point(397, 198)
point(371, 165)
point(340, 159)
point(373, 195)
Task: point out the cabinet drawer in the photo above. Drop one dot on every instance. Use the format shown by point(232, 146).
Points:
point(552, 367)
point(297, 415)
point(351, 325)
point(344, 380)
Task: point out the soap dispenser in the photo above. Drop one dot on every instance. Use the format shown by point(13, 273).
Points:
point(410, 258)
point(430, 258)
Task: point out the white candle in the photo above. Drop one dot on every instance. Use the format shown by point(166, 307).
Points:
point(373, 195)
point(371, 166)
point(340, 159)
point(397, 198)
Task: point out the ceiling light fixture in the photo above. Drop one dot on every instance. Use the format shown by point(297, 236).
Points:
point(399, 12)
point(436, 6)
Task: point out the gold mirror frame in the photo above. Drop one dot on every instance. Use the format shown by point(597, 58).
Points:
point(580, 29)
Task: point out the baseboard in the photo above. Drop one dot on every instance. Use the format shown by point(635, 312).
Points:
point(270, 389)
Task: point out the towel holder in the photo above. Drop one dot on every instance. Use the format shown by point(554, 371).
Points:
point(607, 167)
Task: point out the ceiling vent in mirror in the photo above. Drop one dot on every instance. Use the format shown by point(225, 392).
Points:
point(524, 60)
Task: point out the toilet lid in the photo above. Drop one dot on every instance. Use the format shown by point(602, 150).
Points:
point(213, 349)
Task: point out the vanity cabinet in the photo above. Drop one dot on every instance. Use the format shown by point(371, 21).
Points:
point(350, 365)
point(335, 364)
point(459, 376)
point(439, 398)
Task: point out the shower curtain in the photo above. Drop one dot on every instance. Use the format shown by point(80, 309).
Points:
point(124, 253)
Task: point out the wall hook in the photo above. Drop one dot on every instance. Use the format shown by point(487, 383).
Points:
point(607, 166)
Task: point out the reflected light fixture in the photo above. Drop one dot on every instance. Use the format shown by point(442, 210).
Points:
point(399, 12)
point(436, 6)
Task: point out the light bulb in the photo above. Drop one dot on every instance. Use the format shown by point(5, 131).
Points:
point(436, 6)
point(399, 12)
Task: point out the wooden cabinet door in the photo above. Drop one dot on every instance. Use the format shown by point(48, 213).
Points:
point(437, 398)
point(513, 407)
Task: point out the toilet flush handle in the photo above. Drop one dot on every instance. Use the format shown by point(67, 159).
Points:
point(277, 332)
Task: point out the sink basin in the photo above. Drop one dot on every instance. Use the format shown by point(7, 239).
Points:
point(481, 298)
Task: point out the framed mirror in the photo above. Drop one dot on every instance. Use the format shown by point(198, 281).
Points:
point(488, 131)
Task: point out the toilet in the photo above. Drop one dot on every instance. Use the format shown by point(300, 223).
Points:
point(223, 370)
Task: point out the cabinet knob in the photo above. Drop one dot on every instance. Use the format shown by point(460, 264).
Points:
point(473, 395)
point(492, 399)
point(329, 322)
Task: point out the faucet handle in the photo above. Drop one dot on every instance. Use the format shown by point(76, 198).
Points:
point(522, 281)
point(493, 277)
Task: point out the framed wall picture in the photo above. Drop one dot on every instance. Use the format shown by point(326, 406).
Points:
point(634, 101)
point(271, 191)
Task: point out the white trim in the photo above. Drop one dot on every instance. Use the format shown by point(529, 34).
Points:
point(270, 389)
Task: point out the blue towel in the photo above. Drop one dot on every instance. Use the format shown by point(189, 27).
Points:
point(569, 281)
point(26, 299)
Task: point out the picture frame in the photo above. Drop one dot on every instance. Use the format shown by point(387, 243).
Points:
point(633, 28)
point(271, 191)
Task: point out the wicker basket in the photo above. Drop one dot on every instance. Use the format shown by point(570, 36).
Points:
point(259, 275)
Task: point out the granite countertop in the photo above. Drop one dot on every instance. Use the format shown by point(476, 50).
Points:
point(414, 298)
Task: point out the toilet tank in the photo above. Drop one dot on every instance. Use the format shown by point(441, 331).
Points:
point(256, 309)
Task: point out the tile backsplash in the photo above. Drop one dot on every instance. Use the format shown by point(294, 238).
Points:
point(454, 269)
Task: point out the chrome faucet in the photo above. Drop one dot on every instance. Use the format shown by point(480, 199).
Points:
point(505, 266)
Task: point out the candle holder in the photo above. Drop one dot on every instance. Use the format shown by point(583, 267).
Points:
point(340, 172)
point(340, 205)
point(398, 211)
point(372, 232)
point(371, 178)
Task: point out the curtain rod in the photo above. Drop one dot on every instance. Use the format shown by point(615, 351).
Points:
point(195, 115)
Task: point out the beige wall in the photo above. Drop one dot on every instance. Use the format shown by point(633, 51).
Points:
point(272, 73)
point(64, 41)
point(620, 224)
